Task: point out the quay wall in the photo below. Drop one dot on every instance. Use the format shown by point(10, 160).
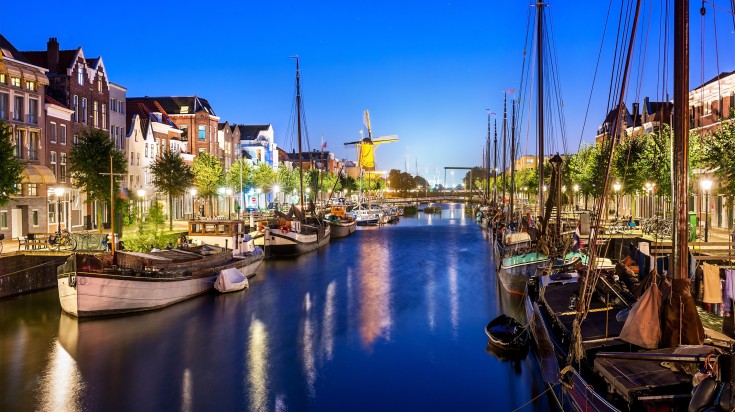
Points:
point(23, 273)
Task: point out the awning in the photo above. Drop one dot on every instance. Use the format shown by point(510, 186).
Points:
point(38, 174)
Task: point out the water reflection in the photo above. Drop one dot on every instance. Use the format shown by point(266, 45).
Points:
point(375, 288)
point(62, 384)
point(307, 346)
point(328, 322)
point(257, 366)
point(453, 294)
point(186, 391)
point(430, 296)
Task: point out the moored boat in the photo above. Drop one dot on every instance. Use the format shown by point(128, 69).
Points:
point(507, 335)
point(106, 284)
point(341, 223)
point(230, 280)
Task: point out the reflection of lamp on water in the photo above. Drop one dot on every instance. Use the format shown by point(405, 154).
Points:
point(706, 186)
point(141, 195)
point(58, 192)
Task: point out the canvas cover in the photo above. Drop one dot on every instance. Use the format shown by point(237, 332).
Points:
point(230, 280)
point(682, 325)
point(643, 324)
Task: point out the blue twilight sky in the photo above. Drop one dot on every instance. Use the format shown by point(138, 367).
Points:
point(426, 71)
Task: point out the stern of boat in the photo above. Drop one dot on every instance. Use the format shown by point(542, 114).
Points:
point(66, 276)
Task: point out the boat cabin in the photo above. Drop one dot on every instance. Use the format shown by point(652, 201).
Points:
point(228, 234)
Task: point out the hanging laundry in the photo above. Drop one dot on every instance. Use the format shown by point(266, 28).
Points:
point(729, 290)
point(712, 285)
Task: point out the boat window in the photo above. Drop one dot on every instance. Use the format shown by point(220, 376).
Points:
point(195, 228)
point(222, 229)
point(210, 228)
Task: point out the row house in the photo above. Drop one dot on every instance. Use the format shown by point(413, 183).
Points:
point(317, 160)
point(227, 146)
point(118, 129)
point(22, 94)
point(65, 208)
point(646, 117)
point(80, 84)
point(257, 143)
point(152, 132)
point(711, 104)
point(194, 117)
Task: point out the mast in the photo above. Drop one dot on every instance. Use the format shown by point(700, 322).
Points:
point(487, 160)
point(680, 178)
point(505, 144)
point(298, 128)
point(512, 154)
point(495, 166)
point(540, 121)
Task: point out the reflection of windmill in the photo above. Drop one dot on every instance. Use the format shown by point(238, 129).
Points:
point(366, 148)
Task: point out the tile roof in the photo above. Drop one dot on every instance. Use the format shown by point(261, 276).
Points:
point(180, 104)
point(51, 100)
point(145, 108)
point(40, 58)
point(8, 50)
point(250, 132)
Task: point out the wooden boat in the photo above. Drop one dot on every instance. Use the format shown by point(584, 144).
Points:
point(507, 335)
point(93, 285)
point(342, 224)
point(230, 280)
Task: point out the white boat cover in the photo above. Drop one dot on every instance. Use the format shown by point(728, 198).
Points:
point(230, 280)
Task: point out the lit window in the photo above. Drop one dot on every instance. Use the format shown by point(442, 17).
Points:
point(52, 212)
point(15, 81)
point(84, 110)
point(95, 114)
point(99, 85)
point(3, 78)
point(32, 86)
point(76, 108)
point(32, 189)
point(80, 75)
point(18, 108)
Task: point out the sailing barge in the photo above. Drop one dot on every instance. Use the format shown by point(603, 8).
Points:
point(94, 285)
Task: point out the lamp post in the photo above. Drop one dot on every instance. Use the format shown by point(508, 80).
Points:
point(258, 191)
point(228, 192)
point(141, 195)
point(58, 192)
point(706, 186)
point(193, 192)
point(575, 188)
point(617, 187)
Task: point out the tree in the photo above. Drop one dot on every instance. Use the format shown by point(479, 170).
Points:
point(10, 166)
point(208, 176)
point(89, 159)
point(240, 175)
point(717, 155)
point(629, 164)
point(173, 177)
point(264, 177)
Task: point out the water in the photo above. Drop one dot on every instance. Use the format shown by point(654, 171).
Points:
point(390, 318)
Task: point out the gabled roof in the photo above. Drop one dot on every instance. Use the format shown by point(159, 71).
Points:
point(144, 109)
point(51, 100)
point(221, 126)
point(9, 51)
point(250, 132)
point(716, 78)
point(40, 58)
point(174, 105)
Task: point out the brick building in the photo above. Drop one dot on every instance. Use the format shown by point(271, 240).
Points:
point(22, 94)
point(118, 127)
point(65, 211)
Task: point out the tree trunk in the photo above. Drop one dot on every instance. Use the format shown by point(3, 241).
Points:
point(170, 212)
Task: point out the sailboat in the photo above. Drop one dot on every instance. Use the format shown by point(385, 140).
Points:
point(602, 348)
point(301, 230)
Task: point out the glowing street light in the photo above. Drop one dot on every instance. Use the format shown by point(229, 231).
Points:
point(706, 186)
point(58, 192)
point(616, 188)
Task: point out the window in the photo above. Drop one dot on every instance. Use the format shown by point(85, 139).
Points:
point(707, 108)
point(76, 109)
point(62, 168)
point(18, 109)
point(131, 176)
point(202, 133)
point(52, 132)
point(52, 162)
point(34, 217)
point(15, 81)
point(84, 110)
point(99, 84)
point(19, 143)
point(104, 116)
point(62, 134)
point(112, 105)
point(33, 111)
point(4, 107)
point(33, 142)
point(132, 158)
point(146, 150)
point(137, 158)
point(121, 108)
point(75, 139)
point(32, 86)
point(3, 219)
point(31, 189)
point(52, 212)
point(80, 75)
point(3, 78)
point(95, 114)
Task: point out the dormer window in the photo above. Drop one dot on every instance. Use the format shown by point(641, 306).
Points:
point(32, 86)
point(15, 81)
point(184, 109)
point(80, 76)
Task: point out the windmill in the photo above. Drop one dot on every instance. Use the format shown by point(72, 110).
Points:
point(366, 147)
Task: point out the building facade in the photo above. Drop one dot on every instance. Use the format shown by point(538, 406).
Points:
point(118, 126)
point(257, 143)
point(22, 95)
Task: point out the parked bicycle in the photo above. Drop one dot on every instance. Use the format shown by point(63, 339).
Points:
point(62, 240)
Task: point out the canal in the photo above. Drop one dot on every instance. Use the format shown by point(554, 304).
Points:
point(390, 318)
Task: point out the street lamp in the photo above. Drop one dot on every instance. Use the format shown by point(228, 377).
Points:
point(193, 192)
point(228, 192)
point(59, 192)
point(706, 186)
point(141, 195)
point(258, 191)
point(617, 187)
point(649, 189)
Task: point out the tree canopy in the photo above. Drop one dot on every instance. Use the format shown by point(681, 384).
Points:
point(171, 176)
point(10, 166)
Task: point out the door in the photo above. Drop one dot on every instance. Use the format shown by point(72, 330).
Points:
point(17, 223)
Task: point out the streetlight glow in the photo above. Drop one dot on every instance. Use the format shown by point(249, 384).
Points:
point(59, 191)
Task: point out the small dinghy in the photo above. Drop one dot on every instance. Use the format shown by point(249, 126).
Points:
point(506, 334)
point(230, 280)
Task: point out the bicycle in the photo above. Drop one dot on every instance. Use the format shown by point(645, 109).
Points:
point(91, 241)
point(62, 240)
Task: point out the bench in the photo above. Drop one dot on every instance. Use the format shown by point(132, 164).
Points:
point(32, 242)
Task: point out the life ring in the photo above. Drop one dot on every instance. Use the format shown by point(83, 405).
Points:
point(261, 228)
point(284, 229)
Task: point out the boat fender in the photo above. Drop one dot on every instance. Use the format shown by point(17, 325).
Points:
point(703, 395)
point(284, 229)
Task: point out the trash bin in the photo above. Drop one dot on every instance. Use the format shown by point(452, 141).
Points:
point(693, 226)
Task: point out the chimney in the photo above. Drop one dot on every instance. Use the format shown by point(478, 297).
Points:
point(636, 114)
point(52, 58)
